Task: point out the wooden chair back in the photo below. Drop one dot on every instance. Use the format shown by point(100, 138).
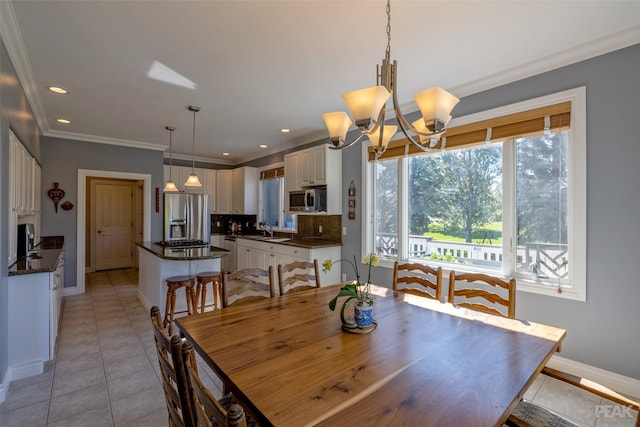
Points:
point(246, 286)
point(295, 277)
point(419, 279)
point(207, 410)
point(471, 293)
point(179, 406)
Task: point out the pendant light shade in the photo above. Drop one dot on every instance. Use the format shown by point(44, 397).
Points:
point(170, 186)
point(193, 180)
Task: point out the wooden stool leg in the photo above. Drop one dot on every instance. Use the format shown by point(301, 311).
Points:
point(216, 287)
point(172, 309)
point(167, 306)
point(199, 289)
point(203, 298)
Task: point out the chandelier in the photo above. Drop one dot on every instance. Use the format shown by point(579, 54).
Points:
point(368, 107)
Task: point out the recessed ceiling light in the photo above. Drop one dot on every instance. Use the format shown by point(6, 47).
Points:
point(225, 154)
point(285, 130)
point(57, 89)
point(263, 145)
point(63, 121)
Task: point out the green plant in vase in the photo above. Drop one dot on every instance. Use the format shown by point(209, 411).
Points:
point(356, 291)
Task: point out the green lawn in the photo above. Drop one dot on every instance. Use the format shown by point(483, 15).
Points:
point(492, 233)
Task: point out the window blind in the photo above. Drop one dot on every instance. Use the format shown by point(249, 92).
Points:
point(272, 174)
point(509, 126)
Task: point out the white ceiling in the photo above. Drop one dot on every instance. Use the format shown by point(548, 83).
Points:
point(259, 66)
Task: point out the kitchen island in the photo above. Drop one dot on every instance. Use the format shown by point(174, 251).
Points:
point(157, 263)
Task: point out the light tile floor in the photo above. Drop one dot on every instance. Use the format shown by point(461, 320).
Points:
point(106, 371)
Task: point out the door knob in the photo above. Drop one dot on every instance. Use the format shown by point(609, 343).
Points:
point(99, 231)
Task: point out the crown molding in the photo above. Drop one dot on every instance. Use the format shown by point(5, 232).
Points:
point(104, 140)
point(10, 33)
point(598, 47)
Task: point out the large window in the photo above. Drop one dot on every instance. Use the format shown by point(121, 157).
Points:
point(513, 206)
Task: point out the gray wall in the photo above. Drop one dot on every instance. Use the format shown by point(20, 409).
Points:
point(61, 160)
point(603, 331)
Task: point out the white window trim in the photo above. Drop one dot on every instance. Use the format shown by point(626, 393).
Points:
point(577, 198)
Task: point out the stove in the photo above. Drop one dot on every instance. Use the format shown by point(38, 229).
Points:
point(182, 243)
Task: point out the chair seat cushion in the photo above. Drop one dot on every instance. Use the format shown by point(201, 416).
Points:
point(527, 413)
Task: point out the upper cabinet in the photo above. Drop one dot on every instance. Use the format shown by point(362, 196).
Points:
point(244, 186)
point(316, 166)
point(313, 166)
point(223, 196)
point(25, 187)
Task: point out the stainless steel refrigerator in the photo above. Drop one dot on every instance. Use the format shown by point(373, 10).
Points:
point(187, 217)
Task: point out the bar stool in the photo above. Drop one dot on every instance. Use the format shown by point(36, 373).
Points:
point(174, 283)
point(215, 277)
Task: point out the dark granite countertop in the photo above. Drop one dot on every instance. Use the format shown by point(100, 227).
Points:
point(183, 254)
point(301, 242)
point(44, 262)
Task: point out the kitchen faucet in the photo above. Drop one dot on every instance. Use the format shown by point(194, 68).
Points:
point(267, 229)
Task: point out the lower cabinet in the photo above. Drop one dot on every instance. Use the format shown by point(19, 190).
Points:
point(260, 254)
point(35, 302)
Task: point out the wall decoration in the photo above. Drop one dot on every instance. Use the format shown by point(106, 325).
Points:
point(67, 205)
point(56, 194)
point(351, 201)
point(157, 199)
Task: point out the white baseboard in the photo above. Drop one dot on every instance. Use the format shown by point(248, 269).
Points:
point(70, 290)
point(18, 372)
point(144, 301)
point(624, 385)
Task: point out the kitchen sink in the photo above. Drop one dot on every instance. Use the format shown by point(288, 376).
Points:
point(277, 239)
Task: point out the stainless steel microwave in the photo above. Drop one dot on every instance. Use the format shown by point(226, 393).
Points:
point(311, 200)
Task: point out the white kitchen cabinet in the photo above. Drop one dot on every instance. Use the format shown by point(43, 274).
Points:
point(35, 302)
point(292, 181)
point(317, 166)
point(261, 254)
point(25, 186)
point(208, 180)
point(244, 191)
point(223, 194)
point(313, 166)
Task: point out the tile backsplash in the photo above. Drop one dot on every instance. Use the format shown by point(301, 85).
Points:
point(310, 225)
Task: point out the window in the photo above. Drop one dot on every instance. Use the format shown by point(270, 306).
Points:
point(506, 197)
point(272, 200)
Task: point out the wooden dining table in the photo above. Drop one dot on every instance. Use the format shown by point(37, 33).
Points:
point(288, 361)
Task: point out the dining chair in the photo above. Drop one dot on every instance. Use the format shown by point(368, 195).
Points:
point(207, 410)
point(418, 279)
point(246, 286)
point(295, 277)
point(179, 407)
point(528, 414)
point(503, 297)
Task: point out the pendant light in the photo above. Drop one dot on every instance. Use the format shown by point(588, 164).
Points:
point(193, 180)
point(170, 185)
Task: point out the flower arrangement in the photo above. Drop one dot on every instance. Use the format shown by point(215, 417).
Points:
point(362, 292)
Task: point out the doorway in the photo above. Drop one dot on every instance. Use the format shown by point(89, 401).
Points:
point(84, 219)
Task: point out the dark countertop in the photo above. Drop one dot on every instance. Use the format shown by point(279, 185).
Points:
point(301, 242)
point(183, 254)
point(45, 262)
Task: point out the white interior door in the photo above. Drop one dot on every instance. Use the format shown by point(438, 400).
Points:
point(113, 225)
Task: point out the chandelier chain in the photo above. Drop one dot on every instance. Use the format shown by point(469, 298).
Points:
point(388, 51)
